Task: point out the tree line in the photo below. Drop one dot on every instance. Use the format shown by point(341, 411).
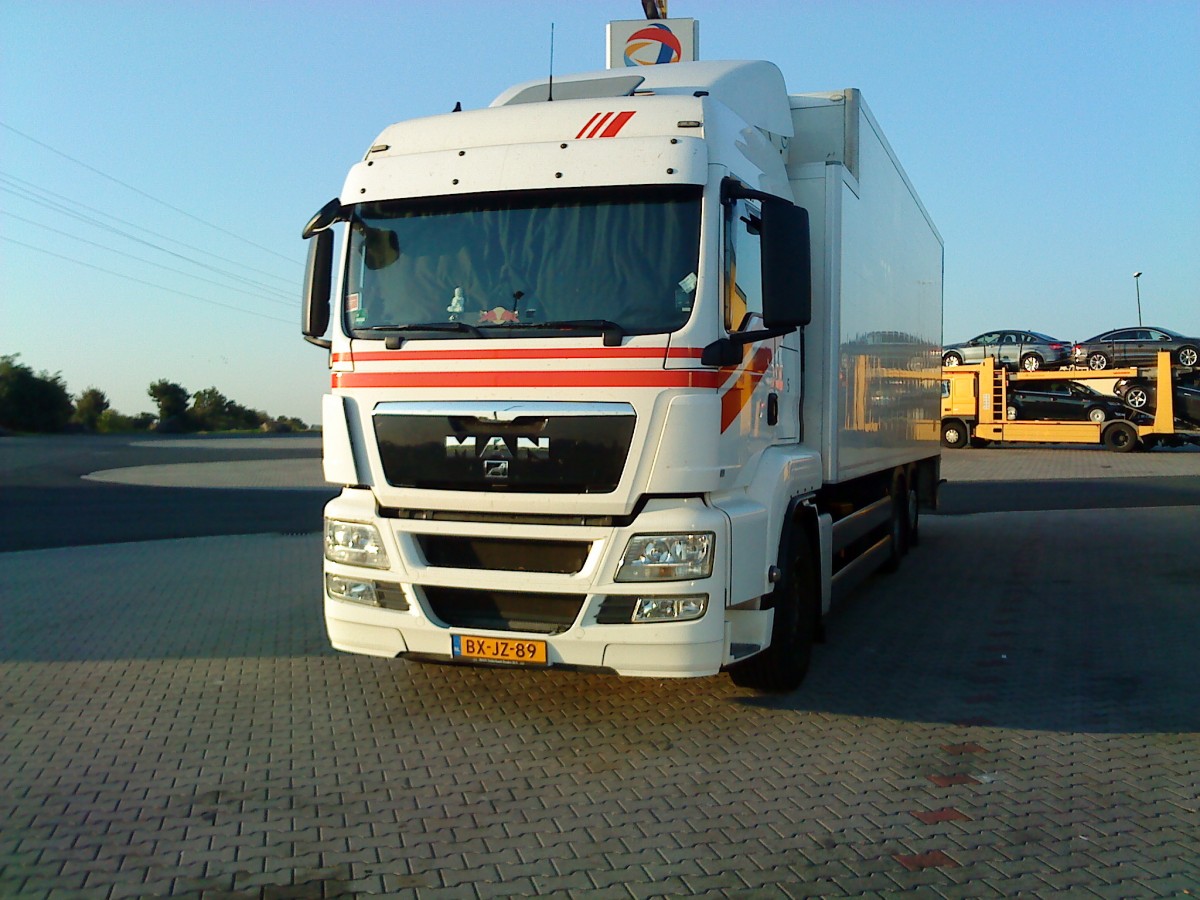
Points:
point(40, 402)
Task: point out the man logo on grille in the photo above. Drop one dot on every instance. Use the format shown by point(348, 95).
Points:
point(497, 449)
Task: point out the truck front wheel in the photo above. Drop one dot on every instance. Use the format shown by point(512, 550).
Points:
point(796, 627)
point(954, 434)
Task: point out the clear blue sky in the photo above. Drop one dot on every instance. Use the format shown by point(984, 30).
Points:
point(1055, 144)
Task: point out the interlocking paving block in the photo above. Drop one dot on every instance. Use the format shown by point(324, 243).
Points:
point(966, 747)
point(948, 814)
point(952, 780)
point(174, 716)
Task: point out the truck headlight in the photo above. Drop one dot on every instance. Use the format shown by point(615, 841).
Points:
point(355, 544)
point(667, 557)
point(670, 609)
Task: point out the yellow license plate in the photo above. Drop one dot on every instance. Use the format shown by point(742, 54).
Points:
point(507, 650)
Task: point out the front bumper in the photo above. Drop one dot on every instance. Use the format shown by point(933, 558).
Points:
point(588, 637)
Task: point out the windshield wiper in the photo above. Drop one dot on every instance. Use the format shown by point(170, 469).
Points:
point(395, 340)
point(611, 330)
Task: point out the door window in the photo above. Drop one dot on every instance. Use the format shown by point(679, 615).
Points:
point(743, 265)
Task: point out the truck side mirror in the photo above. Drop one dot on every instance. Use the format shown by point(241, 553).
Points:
point(786, 265)
point(318, 278)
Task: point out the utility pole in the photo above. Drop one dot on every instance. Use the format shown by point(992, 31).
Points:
point(1137, 284)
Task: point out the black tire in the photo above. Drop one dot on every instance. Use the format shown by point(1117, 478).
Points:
point(955, 434)
point(898, 523)
point(952, 359)
point(1187, 355)
point(914, 517)
point(1121, 437)
point(1031, 362)
point(797, 626)
point(1098, 360)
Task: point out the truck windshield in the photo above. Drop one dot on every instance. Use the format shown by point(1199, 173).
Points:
point(536, 263)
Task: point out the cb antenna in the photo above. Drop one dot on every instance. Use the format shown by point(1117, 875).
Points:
point(550, 89)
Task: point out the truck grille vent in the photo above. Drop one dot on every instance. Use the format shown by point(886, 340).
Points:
point(556, 557)
point(390, 596)
point(504, 610)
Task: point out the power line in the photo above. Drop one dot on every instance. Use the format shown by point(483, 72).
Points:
point(27, 190)
point(142, 193)
point(160, 287)
point(148, 262)
point(283, 296)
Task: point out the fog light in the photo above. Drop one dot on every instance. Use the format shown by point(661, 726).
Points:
point(670, 609)
point(351, 590)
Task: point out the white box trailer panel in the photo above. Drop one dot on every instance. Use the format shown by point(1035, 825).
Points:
point(872, 365)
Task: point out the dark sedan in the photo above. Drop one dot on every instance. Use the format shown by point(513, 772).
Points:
point(1136, 347)
point(1064, 401)
point(1142, 394)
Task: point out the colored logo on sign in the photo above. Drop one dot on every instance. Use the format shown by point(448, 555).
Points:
point(651, 46)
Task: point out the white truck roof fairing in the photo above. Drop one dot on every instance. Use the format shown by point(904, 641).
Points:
point(531, 146)
point(754, 89)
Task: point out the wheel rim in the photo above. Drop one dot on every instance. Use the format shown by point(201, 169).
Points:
point(1097, 415)
point(1136, 398)
point(950, 361)
point(953, 436)
point(1187, 357)
point(1097, 361)
point(1032, 364)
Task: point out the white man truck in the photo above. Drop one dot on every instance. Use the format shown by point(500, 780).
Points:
point(632, 371)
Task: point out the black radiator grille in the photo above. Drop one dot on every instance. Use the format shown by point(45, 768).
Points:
point(570, 454)
point(504, 555)
point(504, 610)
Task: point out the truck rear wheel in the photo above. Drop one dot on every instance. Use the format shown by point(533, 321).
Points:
point(797, 625)
point(1120, 437)
point(914, 514)
point(900, 521)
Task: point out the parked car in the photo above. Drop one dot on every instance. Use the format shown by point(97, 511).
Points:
point(1136, 347)
point(1027, 349)
point(1142, 394)
point(1062, 400)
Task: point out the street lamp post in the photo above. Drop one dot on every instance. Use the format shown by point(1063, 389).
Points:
point(1137, 284)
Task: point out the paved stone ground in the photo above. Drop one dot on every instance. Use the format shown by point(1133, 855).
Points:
point(1015, 713)
point(1034, 462)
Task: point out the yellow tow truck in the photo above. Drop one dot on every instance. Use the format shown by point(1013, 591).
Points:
point(978, 409)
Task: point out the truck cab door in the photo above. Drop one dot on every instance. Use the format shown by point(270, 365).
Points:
point(760, 395)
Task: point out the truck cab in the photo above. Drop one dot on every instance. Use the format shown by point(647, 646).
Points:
point(567, 347)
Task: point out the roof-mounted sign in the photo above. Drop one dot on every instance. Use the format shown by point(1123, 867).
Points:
point(652, 42)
